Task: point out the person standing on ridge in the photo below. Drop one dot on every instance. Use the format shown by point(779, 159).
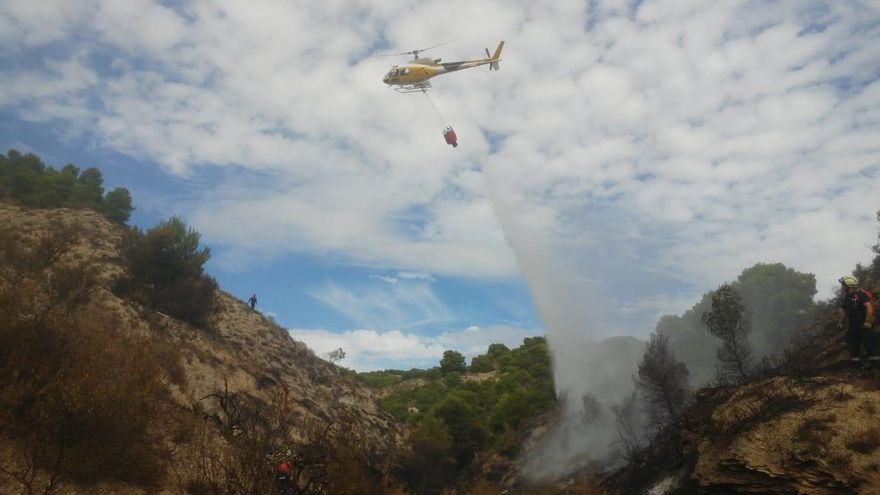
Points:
point(857, 314)
point(253, 301)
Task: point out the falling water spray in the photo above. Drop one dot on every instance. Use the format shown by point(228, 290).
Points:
point(592, 373)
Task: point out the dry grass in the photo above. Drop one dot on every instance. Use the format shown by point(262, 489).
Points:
point(816, 430)
point(81, 398)
point(484, 487)
point(865, 442)
point(840, 460)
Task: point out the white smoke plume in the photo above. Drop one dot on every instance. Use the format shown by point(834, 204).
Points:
point(592, 372)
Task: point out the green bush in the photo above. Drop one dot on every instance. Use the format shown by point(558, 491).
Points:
point(452, 361)
point(166, 272)
point(379, 379)
point(428, 465)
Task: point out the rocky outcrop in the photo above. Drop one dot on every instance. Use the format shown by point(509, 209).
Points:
point(239, 351)
point(804, 425)
point(786, 435)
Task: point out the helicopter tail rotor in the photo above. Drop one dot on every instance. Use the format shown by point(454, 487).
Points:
point(495, 58)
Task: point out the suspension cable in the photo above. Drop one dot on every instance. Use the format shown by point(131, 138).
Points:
point(440, 117)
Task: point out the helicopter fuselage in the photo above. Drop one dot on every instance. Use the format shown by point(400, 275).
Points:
point(416, 73)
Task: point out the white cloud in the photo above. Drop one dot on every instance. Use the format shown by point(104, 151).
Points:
point(139, 25)
point(26, 23)
point(403, 304)
point(368, 350)
point(668, 135)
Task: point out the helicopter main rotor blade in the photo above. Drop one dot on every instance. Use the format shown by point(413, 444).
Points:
point(433, 46)
point(412, 52)
point(391, 55)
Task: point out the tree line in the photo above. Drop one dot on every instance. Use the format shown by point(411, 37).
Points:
point(753, 325)
point(26, 180)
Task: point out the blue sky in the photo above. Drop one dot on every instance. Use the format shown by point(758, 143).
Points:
point(627, 157)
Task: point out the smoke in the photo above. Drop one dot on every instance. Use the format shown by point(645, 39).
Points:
point(567, 274)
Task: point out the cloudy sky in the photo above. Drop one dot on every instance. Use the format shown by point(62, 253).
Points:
point(658, 147)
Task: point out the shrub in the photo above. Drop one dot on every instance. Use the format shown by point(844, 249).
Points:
point(453, 361)
point(815, 434)
point(662, 381)
point(728, 321)
point(166, 272)
point(428, 464)
point(79, 399)
point(117, 205)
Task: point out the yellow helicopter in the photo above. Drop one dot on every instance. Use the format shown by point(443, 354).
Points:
point(415, 76)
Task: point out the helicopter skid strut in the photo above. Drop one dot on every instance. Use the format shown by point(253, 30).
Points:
point(414, 88)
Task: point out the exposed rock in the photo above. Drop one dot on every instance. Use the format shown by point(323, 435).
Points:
point(242, 350)
point(806, 428)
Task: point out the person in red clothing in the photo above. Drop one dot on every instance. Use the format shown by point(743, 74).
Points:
point(283, 479)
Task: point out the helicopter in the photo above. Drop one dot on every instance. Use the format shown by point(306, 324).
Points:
point(415, 76)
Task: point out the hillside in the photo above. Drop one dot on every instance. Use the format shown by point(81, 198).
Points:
point(802, 423)
point(102, 393)
point(239, 364)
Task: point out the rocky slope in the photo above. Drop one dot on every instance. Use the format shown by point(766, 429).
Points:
point(242, 352)
point(806, 426)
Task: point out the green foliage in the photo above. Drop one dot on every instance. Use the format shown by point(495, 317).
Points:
point(166, 271)
point(482, 364)
point(380, 379)
point(433, 374)
point(516, 406)
point(662, 381)
point(778, 301)
point(533, 356)
point(691, 342)
point(412, 373)
point(465, 424)
point(728, 321)
point(88, 191)
point(117, 205)
point(495, 358)
point(27, 180)
point(452, 361)
point(429, 464)
point(478, 414)
point(422, 398)
point(452, 379)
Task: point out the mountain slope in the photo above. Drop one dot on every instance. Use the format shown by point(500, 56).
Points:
point(240, 363)
point(805, 425)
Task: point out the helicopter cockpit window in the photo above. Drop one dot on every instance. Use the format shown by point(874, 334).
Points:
point(404, 71)
point(393, 73)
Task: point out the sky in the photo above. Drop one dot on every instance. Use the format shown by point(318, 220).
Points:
point(628, 157)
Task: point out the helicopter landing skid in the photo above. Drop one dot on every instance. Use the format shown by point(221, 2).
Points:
point(414, 88)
